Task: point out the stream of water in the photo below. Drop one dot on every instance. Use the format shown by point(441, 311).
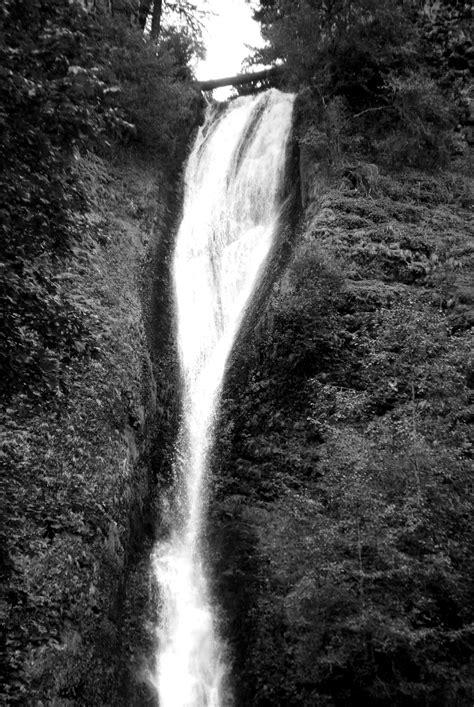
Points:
point(231, 208)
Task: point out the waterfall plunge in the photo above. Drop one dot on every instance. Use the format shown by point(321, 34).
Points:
point(231, 209)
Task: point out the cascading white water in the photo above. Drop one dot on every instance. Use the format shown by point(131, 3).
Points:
point(231, 209)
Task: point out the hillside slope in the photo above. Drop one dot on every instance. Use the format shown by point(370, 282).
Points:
point(342, 494)
point(83, 458)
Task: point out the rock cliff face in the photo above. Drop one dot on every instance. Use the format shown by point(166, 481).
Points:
point(84, 466)
point(339, 523)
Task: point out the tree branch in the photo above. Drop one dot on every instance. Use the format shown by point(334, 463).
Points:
point(369, 110)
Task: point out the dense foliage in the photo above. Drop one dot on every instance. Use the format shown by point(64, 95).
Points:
point(390, 78)
point(70, 82)
point(342, 495)
point(342, 491)
point(81, 92)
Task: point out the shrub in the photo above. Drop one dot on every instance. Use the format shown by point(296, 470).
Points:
point(421, 124)
point(70, 82)
point(155, 92)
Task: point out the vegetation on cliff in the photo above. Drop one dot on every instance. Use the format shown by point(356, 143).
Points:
point(387, 80)
point(342, 492)
point(94, 128)
point(343, 467)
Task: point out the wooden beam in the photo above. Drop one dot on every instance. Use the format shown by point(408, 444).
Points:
point(241, 79)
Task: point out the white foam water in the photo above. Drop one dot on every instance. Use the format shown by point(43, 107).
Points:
point(231, 208)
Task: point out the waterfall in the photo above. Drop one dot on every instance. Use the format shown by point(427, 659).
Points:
point(231, 209)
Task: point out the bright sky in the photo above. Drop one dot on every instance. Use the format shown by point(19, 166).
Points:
point(227, 31)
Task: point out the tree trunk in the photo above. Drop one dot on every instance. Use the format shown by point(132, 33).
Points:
point(241, 79)
point(156, 18)
point(143, 12)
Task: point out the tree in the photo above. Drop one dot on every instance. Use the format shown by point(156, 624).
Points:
point(156, 18)
point(187, 12)
point(338, 48)
point(139, 12)
point(392, 75)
